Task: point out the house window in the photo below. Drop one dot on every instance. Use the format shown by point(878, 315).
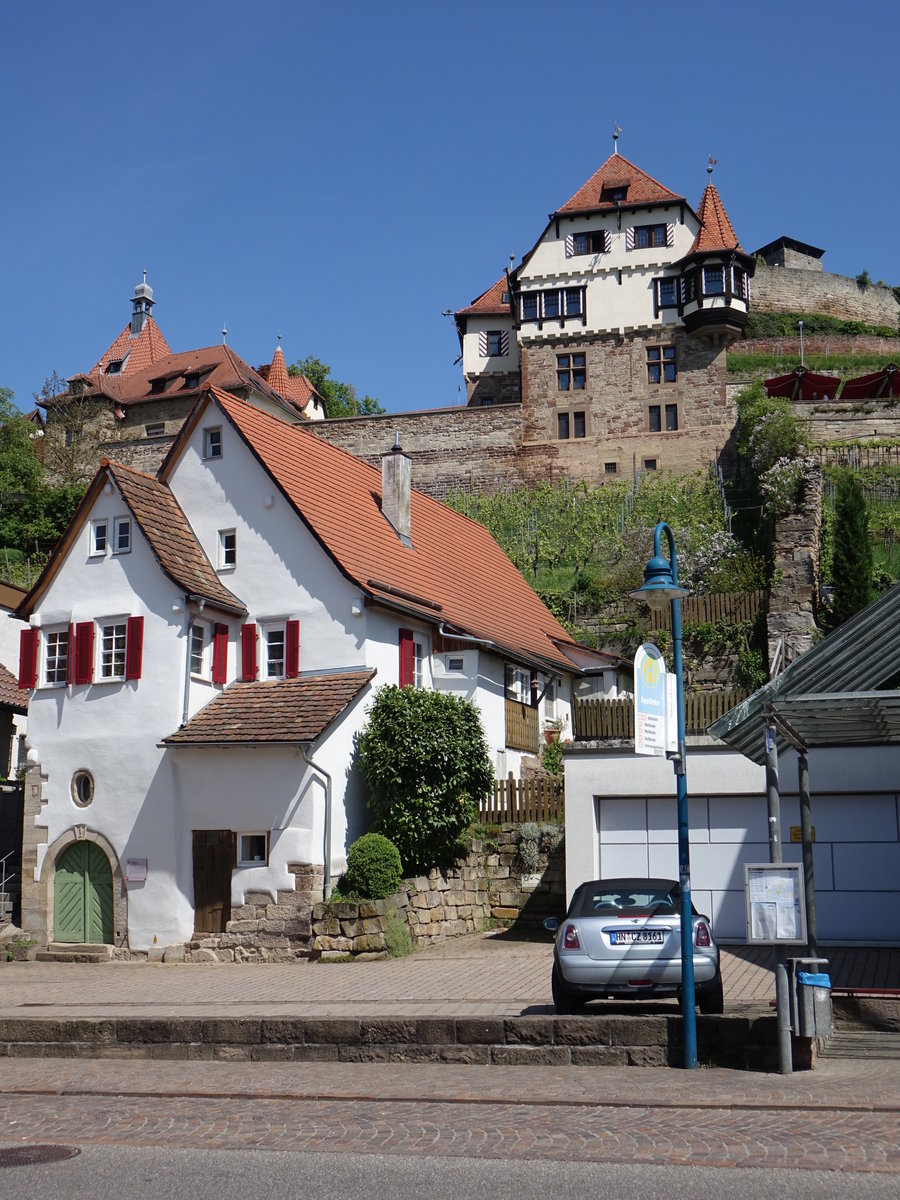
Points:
point(573, 302)
point(227, 549)
point(56, 659)
point(654, 418)
point(713, 281)
point(578, 424)
point(518, 684)
point(99, 535)
point(571, 372)
point(562, 426)
point(649, 464)
point(551, 304)
point(198, 644)
point(661, 364)
point(593, 242)
point(275, 653)
point(610, 468)
point(494, 343)
point(550, 701)
point(667, 292)
point(157, 429)
point(456, 664)
point(671, 417)
point(529, 306)
point(82, 788)
point(418, 665)
point(253, 849)
point(113, 639)
point(122, 535)
point(212, 443)
point(649, 235)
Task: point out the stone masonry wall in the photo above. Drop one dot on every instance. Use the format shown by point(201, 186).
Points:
point(490, 886)
point(793, 596)
point(791, 289)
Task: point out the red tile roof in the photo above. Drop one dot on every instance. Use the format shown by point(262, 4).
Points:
point(618, 172)
point(455, 572)
point(10, 694)
point(716, 231)
point(491, 301)
point(296, 388)
point(148, 347)
point(273, 710)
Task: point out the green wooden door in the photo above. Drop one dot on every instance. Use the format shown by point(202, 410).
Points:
point(83, 895)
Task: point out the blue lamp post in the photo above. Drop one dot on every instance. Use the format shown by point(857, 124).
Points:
point(661, 588)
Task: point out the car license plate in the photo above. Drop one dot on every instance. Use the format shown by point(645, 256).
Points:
point(626, 937)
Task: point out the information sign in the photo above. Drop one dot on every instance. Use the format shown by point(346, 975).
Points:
point(775, 904)
point(650, 701)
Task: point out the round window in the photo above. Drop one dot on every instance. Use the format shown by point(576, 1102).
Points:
point(82, 788)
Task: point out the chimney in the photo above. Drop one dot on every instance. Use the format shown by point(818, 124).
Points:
point(396, 468)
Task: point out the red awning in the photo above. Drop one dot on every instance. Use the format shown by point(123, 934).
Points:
point(873, 387)
point(803, 385)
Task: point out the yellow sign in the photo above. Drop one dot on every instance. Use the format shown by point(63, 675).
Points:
point(797, 833)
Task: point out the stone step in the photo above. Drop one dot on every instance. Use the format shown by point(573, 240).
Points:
point(72, 952)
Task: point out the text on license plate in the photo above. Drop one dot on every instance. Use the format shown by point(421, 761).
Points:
point(624, 937)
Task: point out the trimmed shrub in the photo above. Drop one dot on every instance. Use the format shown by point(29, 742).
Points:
point(374, 870)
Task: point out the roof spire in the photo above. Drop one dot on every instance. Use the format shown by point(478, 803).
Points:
point(141, 304)
point(224, 333)
point(617, 129)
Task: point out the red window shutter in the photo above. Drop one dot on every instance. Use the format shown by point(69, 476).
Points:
point(292, 649)
point(134, 647)
point(70, 661)
point(220, 654)
point(248, 652)
point(28, 647)
point(84, 652)
point(407, 664)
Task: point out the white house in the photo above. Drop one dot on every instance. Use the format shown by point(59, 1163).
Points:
point(201, 650)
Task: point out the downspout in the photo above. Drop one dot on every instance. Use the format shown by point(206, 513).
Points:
point(304, 750)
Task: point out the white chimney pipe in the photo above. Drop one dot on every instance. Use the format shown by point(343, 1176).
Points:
point(396, 474)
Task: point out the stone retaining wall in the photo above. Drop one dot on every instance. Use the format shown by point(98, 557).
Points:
point(792, 289)
point(491, 886)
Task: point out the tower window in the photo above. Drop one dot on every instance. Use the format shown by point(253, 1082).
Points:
point(661, 364)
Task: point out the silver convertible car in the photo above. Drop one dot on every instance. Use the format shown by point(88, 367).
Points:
point(621, 938)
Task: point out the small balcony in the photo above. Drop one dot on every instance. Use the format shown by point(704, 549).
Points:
point(523, 727)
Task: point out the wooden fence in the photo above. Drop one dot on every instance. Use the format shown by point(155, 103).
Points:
point(516, 800)
point(734, 607)
point(523, 727)
point(615, 718)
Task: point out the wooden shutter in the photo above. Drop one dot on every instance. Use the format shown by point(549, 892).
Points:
point(670, 234)
point(134, 647)
point(220, 654)
point(629, 237)
point(407, 658)
point(248, 652)
point(291, 649)
point(607, 241)
point(28, 647)
point(84, 652)
point(570, 245)
point(504, 341)
point(483, 344)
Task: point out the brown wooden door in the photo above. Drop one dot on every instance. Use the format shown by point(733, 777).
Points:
point(214, 860)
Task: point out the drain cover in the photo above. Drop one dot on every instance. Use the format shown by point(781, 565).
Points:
point(32, 1156)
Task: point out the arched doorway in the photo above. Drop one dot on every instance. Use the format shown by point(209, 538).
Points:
point(83, 895)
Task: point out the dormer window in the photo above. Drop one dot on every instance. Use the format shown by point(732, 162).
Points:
point(192, 381)
point(114, 366)
point(157, 386)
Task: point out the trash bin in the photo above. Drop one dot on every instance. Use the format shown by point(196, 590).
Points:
point(814, 1004)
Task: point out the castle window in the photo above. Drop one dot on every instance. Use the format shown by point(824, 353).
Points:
point(667, 292)
point(574, 305)
point(562, 426)
point(654, 418)
point(649, 464)
point(739, 286)
point(661, 366)
point(649, 235)
point(529, 306)
point(551, 304)
point(156, 429)
point(571, 372)
point(593, 242)
point(578, 424)
point(713, 281)
point(610, 468)
point(671, 417)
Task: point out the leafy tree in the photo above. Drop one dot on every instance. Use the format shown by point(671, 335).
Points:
point(77, 426)
point(851, 559)
point(426, 761)
point(340, 399)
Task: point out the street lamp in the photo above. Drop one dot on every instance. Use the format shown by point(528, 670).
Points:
point(661, 588)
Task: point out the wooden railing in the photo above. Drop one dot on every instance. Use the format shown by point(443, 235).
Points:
point(516, 800)
point(615, 718)
point(523, 727)
point(734, 607)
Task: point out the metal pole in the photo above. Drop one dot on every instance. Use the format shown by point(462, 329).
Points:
point(688, 998)
point(782, 985)
point(806, 835)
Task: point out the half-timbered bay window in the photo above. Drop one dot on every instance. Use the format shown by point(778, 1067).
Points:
point(714, 281)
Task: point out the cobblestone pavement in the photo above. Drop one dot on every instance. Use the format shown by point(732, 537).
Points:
point(845, 1116)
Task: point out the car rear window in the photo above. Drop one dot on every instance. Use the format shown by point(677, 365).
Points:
point(634, 902)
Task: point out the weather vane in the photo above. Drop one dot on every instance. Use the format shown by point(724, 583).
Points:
point(617, 129)
point(709, 166)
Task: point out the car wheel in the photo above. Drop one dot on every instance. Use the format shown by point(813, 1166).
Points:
point(564, 1000)
point(712, 1003)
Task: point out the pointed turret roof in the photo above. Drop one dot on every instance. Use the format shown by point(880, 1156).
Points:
point(716, 231)
point(297, 389)
point(135, 353)
point(618, 178)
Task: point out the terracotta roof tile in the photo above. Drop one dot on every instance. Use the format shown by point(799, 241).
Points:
point(618, 172)
point(173, 542)
point(455, 571)
point(148, 347)
point(10, 694)
point(490, 301)
point(273, 710)
point(716, 231)
point(295, 388)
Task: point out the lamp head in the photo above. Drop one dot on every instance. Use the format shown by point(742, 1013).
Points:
point(659, 587)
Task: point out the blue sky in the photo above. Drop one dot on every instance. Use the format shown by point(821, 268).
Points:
point(343, 173)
